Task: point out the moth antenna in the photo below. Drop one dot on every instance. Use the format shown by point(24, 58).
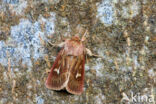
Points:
point(84, 36)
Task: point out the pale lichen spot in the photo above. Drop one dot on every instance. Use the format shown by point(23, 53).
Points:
point(105, 12)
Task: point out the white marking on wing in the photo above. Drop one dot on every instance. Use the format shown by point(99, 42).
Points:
point(78, 75)
point(57, 70)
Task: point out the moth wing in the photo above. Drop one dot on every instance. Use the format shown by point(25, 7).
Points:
point(57, 78)
point(76, 76)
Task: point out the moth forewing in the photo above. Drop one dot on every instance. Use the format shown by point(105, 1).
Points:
point(68, 68)
point(57, 77)
point(76, 79)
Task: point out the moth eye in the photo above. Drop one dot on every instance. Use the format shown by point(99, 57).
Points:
point(78, 75)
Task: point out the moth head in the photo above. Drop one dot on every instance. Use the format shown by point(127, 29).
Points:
point(75, 38)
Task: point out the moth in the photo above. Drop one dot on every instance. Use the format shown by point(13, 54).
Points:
point(67, 71)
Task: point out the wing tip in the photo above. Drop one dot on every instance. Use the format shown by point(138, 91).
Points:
point(50, 86)
point(74, 92)
point(53, 88)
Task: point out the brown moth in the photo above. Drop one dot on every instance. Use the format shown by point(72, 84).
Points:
point(68, 69)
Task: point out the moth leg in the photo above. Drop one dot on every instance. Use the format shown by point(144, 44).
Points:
point(89, 52)
point(57, 45)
